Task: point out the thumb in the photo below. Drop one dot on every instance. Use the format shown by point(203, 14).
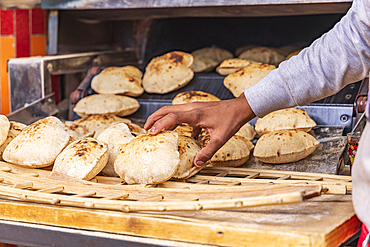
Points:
point(206, 153)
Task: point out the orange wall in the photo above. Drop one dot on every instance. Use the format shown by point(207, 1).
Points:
point(22, 34)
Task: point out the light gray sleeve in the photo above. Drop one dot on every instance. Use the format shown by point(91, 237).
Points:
point(338, 58)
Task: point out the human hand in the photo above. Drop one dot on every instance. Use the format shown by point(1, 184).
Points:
point(221, 119)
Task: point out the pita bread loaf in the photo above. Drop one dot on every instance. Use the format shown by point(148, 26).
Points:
point(193, 96)
point(4, 128)
point(82, 159)
point(240, 50)
point(14, 130)
point(263, 55)
point(118, 80)
point(135, 129)
point(168, 72)
point(246, 77)
point(235, 152)
point(148, 159)
point(247, 131)
point(214, 53)
point(100, 122)
point(188, 149)
point(38, 144)
point(184, 129)
point(203, 64)
point(77, 131)
point(284, 146)
point(106, 104)
point(232, 65)
point(290, 119)
point(114, 136)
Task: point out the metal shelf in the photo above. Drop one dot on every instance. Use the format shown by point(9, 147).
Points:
point(130, 9)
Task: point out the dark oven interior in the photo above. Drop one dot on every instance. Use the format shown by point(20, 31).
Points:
point(80, 32)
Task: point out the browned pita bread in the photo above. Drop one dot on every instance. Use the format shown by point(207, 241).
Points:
point(82, 159)
point(232, 65)
point(203, 64)
point(118, 80)
point(77, 131)
point(193, 96)
point(263, 55)
point(235, 152)
point(246, 77)
point(4, 128)
point(38, 144)
point(216, 54)
point(106, 104)
point(14, 130)
point(168, 72)
point(148, 159)
point(184, 129)
point(188, 149)
point(247, 131)
point(290, 119)
point(100, 122)
point(284, 146)
point(114, 136)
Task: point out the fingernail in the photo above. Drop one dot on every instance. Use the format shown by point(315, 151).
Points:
point(199, 163)
point(152, 129)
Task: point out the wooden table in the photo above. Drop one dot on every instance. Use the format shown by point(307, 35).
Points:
point(328, 220)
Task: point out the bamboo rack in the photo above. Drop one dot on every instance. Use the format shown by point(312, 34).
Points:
point(213, 188)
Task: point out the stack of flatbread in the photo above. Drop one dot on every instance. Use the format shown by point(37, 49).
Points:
point(118, 80)
point(207, 58)
point(193, 96)
point(284, 136)
point(168, 72)
point(263, 55)
point(153, 159)
point(246, 77)
point(106, 103)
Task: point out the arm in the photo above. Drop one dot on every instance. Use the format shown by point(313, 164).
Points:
point(338, 58)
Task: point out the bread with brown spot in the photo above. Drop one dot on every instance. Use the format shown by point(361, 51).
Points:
point(38, 144)
point(262, 54)
point(4, 128)
point(119, 80)
point(100, 122)
point(168, 72)
point(148, 159)
point(193, 96)
point(114, 136)
point(232, 65)
point(289, 119)
point(14, 130)
point(188, 149)
point(246, 77)
point(77, 131)
point(284, 146)
point(235, 152)
point(82, 159)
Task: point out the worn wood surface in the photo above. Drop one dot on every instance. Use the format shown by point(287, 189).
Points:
point(327, 220)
